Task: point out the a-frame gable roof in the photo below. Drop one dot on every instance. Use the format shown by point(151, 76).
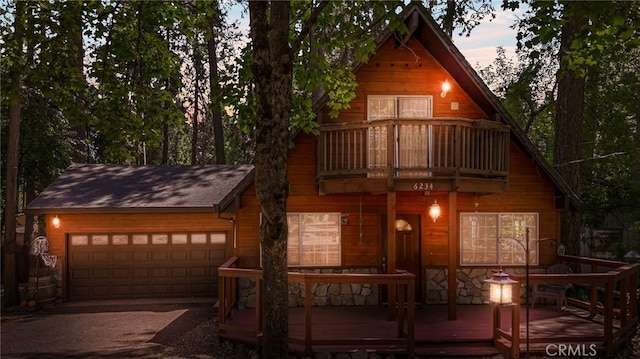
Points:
point(424, 29)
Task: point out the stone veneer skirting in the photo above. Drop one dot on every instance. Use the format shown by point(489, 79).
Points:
point(471, 288)
point(324, 294)
point(470, 281)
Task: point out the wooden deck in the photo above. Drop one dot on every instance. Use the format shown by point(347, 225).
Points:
point(435, 336)
point(605, 322)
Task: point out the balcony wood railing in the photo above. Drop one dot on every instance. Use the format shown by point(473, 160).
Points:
point(404, 284)
point(414, 149)
point(613, 301)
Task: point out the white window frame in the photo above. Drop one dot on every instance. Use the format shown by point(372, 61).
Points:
point(337, 239)
point(417, 139)
point(396, 101)
point(509, 250)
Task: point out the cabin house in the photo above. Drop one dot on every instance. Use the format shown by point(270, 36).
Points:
point(417, 193)
point(422, 173)
point(138, 231)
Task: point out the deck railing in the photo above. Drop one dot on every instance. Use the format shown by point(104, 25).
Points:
point(414, 148)
point(404, 284)
point(613, 301)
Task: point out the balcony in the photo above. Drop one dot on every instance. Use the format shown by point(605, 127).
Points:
point(443, 154)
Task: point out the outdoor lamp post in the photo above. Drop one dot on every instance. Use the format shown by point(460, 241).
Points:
point(527, 250)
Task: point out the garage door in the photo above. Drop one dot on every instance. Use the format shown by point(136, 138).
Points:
point(139, 265)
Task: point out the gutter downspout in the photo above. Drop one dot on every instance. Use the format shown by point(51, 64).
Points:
point(234, 232)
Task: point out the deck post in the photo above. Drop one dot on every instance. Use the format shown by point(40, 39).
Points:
point(401, 311)
point(624, 309)
point(496, 322)
point(411, 318)
point(452, 278)
point(633, 289)
point(391, 249)
point(222, 298)
point(593, 309)
point(608, 316)
point(515, 323)
point(258, 327)
point(307, 316)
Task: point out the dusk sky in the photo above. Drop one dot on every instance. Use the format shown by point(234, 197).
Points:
point(481, 46)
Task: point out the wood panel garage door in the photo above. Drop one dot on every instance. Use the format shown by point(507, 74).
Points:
point(139, 265)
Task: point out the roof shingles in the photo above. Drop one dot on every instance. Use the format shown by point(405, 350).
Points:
point(134, 188)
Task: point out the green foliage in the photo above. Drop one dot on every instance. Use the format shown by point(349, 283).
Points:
point(526, 89)
point(606, 52)
point(134, 69)
point(612, 118)
point(463, 15)
point(610, 27)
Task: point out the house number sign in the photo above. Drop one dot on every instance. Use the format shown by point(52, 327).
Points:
point(423, 186)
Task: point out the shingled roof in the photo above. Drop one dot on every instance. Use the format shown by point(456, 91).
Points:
point(118, 188)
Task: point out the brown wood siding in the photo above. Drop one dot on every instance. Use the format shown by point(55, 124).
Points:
point(361, 240)
point(529, 191)
point(130, 223)
point(396, 70)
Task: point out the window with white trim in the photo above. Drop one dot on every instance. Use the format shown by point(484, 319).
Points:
point(384, 107)
point(414, 141)
point(479, 233)
point(314, 239)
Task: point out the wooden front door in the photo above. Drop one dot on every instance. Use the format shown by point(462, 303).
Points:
point(408, 247)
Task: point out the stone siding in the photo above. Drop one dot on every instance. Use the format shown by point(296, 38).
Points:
point(324, 294)
point(471, 288)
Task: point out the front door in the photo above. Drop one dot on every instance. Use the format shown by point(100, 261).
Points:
point(408, 247)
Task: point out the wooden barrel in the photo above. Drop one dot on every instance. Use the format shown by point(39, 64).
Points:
point(46, 293)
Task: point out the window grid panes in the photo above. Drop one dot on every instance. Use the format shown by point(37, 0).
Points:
point(314, 239)
point(413, 141)
point(124, 239)
point(479, 235)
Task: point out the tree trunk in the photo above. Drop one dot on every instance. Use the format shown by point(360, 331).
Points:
point(449, 18)
point(213, 18)
point(194, 118)
point(272, 70)
point(82, 154)
point(9, 264)
point(568, 128)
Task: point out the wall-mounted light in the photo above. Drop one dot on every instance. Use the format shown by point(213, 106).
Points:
point(446, 86)
point(56, 222)
point(434, 211)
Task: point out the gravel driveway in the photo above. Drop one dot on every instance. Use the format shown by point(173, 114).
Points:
point(167, 328)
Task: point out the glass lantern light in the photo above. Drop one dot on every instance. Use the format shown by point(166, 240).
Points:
point(501, 288)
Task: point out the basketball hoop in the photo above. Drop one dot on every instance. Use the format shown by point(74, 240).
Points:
point(49, 259)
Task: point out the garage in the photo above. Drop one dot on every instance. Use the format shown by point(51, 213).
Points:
point(122, 265)
point(139, 231)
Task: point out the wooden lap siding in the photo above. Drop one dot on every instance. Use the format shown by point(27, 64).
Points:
point(394, 70)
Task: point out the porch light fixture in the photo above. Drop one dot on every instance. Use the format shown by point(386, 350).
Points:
point(446, 86)
point(56, 221)
point(501, 288)
point(434, 211)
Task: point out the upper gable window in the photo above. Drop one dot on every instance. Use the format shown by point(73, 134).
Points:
point(384, 107)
